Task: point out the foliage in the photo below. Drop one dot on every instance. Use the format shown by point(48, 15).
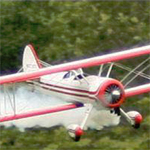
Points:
point(69, 30)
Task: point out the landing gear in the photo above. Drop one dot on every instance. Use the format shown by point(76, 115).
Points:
point(136, 126)
point(133, 117)
point(115, 110)
point(76, 131)
point(136, 117)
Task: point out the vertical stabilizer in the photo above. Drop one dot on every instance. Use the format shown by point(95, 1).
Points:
point(30, 60)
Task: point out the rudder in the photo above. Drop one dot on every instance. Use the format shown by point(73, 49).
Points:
point(30, 60)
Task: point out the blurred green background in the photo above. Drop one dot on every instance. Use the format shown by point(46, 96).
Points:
point(66, 30)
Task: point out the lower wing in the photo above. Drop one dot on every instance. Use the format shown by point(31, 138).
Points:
point(41, 112)
point(137, 90)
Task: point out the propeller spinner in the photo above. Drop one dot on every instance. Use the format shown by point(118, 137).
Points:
point(111, 93)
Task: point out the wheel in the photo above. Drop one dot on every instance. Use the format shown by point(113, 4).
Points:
point(136, 126)
point(77, 138)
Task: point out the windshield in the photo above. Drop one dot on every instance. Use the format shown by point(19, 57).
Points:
point(68, 74)
point(76, 76)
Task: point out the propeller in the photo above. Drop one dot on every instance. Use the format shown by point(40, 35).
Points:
point(111, 93)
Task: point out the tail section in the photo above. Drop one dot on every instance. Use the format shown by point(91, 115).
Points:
point(30, 60)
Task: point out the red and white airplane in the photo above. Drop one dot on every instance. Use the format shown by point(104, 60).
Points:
point(69, 83)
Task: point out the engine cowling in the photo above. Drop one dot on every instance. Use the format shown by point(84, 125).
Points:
point(111, 93)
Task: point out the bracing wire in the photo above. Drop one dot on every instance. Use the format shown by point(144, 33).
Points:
point(44, 63)
point(137, 75)
point(135, 69)
point(135, 72)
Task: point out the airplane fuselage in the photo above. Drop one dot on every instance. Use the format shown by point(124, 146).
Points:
point(73, 88)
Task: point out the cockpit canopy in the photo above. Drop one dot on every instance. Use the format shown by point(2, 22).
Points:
point(78, 74)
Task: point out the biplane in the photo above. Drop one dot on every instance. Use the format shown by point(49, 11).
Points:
point(71, 84)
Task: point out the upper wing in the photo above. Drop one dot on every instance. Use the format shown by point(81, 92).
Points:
point(95, 61)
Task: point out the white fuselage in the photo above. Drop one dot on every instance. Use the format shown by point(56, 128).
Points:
point(71, 88)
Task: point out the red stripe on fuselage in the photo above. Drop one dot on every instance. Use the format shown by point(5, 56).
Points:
point(70, 89)
point(48, 87)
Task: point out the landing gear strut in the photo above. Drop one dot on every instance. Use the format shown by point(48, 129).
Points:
point(133, 117)
point(76, 131)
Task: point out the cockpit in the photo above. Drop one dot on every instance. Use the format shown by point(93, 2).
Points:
point(68, 74)
point(77, 74)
